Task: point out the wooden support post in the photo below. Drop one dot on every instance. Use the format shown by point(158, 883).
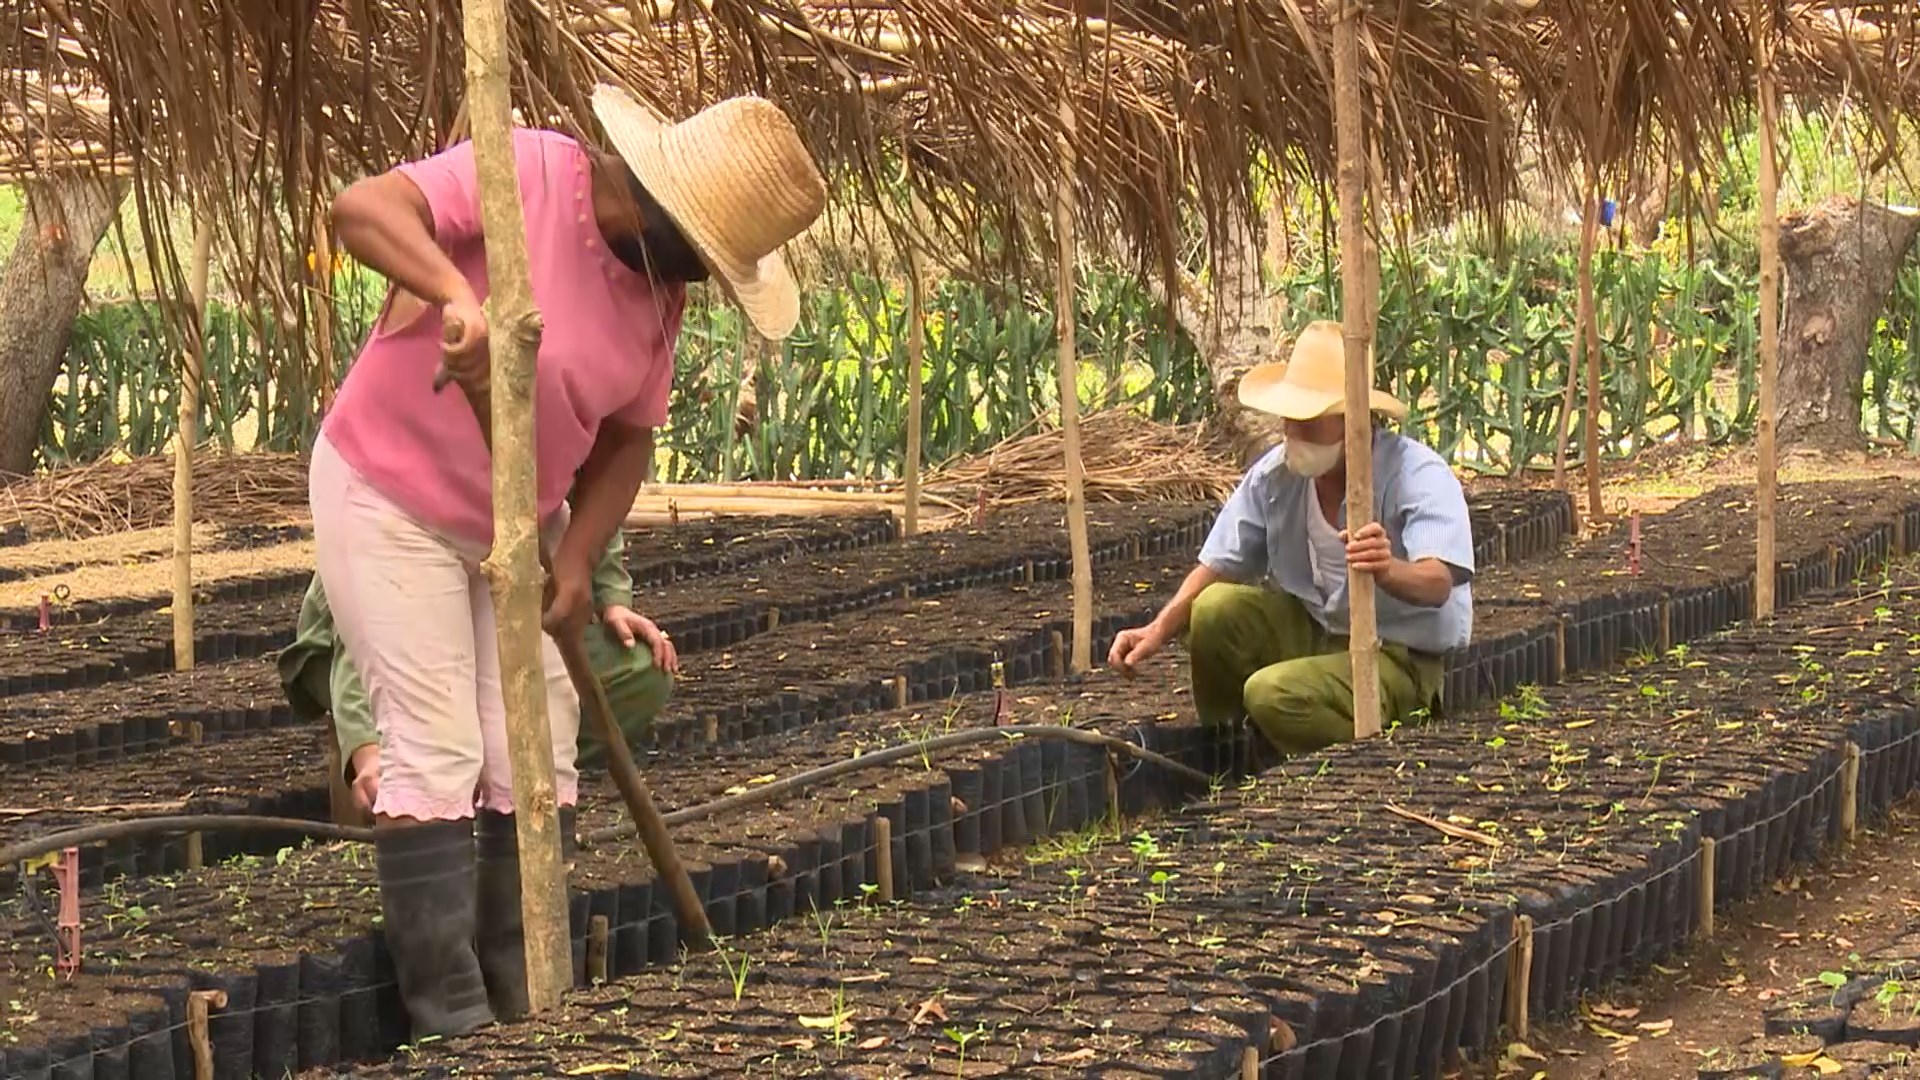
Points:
point(199, 1003)
point(1520, 976)
point(899, 691)
point(513, 567)
point(916, 356)
point(1250, 1063)
point(1065, 307)
point(1026, 572)
point(883, 852)
point(196, 851)
point(323, 355)
point(1349, 117)
point(1588, 316)
point(773, 619)
point(711, 729)
point(1560, 648)
point(192, 367)
point(1850, 793)
point(597, 949)
point(1056, 655)
point(1666, 624)
point(1707, 873)
point(1767, 481)
point(1113, 793)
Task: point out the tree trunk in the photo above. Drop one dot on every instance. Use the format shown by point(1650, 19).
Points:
point(1840, 259)
point(1234, 325)
point(41, 288)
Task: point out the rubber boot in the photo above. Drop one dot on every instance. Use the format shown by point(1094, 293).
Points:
point(427, 912)
point(500, 938)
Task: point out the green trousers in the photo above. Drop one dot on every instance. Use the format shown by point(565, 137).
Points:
point(319, 679)
point(1258, 653)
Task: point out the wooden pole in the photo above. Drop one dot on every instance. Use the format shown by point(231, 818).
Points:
point(916, 354)
point(191, 368)
point(1587, 334)
point(1520, 977)
point(1064, 308)
point(883, 861)
point(1707, 874)
point(1769, 311)
point(1356, 308)
point(323, 312)
point(512, 568)
point(199, 1004)
point(1850, 792)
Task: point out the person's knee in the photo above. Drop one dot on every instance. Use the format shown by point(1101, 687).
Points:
point(1299, 706)
point(429, 774)
point(1216, 615)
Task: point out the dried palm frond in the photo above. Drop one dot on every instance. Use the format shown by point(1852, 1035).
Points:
point(1127, 458)
point(108, 497)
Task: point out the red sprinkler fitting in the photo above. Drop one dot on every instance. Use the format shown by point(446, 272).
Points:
point(67, 873)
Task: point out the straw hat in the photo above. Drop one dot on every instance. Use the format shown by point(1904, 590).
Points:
point(739, 183)
point(1311, 385)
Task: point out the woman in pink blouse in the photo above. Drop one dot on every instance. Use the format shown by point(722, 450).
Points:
point(401, 482)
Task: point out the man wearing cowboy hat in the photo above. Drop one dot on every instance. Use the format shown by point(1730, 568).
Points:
point(400, 479)
point(1265, 612)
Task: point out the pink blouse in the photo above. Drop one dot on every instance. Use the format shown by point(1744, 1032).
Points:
point(607, 350)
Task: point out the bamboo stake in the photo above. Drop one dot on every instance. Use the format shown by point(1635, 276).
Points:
point(916, 355)
point(192, 366)
point(1064, 308)
point(1358, 332)
point(1250, 1063)
point(512, 568)
point(1587, 335)
point(1768, 479)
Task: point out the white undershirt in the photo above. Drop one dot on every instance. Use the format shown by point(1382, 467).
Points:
point(1328, 554)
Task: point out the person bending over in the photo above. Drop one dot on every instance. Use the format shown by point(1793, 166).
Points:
point(400, 481)
point(1265, 611)
point(320, 681)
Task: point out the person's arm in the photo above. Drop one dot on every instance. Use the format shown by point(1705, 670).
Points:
point(612, 585)
point(1435, 532)
point(609, 481)
point(386, 222)
point(403, 222)
point(1172, 620)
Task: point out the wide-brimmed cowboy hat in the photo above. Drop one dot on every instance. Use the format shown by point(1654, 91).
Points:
point(737, 181)
point(1313, 383)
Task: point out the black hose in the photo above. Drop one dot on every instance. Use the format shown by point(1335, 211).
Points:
point(898, 753)
point(130, 827)
point(119, 830)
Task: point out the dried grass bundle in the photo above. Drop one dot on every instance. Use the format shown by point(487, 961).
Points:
point(1128, 458)
point(109, 497)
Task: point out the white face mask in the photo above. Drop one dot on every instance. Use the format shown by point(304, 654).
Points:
point(1310, 459)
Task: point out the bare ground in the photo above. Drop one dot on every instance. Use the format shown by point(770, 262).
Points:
point(1663, 1027)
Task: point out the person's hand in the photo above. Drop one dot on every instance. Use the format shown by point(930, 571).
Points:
point(463, 346)
point(569, 598)
point(629, 627)
point(1368, 550)
point(366, 776)
point(1135, 646)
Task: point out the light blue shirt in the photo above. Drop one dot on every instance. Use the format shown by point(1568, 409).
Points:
point(1261, 538)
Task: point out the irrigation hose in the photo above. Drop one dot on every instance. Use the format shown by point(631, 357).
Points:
point(323, 830)
point(186, 823)
point(899, 753)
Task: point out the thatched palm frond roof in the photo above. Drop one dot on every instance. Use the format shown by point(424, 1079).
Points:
point(1176, 106)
